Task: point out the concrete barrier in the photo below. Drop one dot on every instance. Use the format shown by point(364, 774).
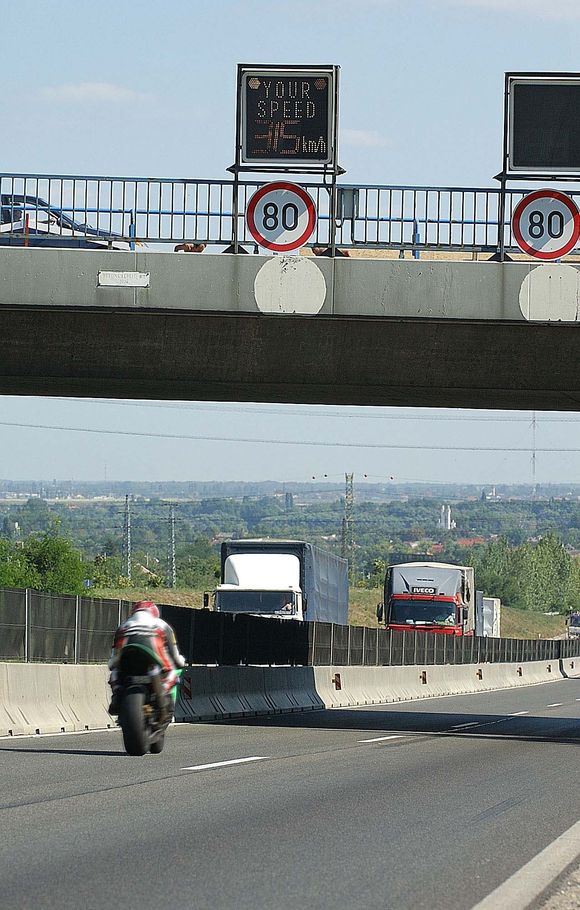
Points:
point(54, 698)
point(86, 695)
point(287, 689)
point(570, 667)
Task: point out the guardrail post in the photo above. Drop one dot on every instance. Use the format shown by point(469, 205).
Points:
point(348, 648)
point(132, 230)
point(416, 240)
point(314, 643)
point(77, 628)
point(26, 625)
point(190, 640)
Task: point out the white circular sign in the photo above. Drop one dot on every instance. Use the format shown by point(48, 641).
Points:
point(551, 293)
point(546, 224)
point(290, 284)
point(281, 216)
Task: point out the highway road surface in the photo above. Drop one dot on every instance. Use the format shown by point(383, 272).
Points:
point(426, 804)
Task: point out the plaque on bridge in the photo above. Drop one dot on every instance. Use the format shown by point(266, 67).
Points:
point(287, 118)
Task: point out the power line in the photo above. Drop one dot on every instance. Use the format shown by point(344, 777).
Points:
point(171, 567)
point(292, 442)
point(347, 542)
point(127, 538)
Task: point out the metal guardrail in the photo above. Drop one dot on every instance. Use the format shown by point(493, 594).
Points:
point(68, 629)
point(119, 212)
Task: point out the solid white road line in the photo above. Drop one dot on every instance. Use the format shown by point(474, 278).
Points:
point(222, 764)
point(114, 728)
point(19, 736)
point(380, 739)
point(525, 885)
point(474, 723)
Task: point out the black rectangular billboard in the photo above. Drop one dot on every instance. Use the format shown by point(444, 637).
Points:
point(543, 114)
point(287, 117)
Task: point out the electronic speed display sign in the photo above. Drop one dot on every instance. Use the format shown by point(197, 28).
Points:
point(542, 125)
point(546, 224)
point(287, 118)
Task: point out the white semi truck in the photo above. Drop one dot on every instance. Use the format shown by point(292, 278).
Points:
point(285, 579)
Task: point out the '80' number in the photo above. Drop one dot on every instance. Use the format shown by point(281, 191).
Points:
point(539, 224)
point(272, 216)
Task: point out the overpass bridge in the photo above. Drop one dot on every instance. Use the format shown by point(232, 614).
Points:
point(443, 328)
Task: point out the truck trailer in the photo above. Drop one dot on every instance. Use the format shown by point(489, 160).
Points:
point(429, 597)
point(487, 616)
point(285, 579)
point(573, 625)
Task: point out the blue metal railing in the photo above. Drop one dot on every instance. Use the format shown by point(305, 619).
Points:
point(120, 212)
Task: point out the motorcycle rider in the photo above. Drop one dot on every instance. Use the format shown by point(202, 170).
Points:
point(145, 631)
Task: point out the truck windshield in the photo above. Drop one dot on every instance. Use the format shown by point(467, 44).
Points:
point(575, 619)
point(256, 602)
point(417, 612)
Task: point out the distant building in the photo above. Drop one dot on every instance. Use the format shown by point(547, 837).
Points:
point(445, 520)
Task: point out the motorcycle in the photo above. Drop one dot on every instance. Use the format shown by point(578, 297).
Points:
point(145, 711)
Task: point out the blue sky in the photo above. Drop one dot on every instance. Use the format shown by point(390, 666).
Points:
point(148, 89)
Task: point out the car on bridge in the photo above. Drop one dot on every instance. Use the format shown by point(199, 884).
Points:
point(31, 221)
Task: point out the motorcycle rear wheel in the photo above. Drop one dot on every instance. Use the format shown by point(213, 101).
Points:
point(132, 721)
point(156, 747)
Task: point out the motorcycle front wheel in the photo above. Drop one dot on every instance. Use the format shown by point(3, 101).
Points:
point(132, 721)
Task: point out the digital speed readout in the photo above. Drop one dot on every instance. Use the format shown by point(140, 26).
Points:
point(287, 118)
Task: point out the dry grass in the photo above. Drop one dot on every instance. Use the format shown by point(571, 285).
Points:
point(440, 255)
point(158, 595)
point(526, 624)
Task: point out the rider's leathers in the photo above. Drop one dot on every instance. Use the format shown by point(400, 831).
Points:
point(153, 635)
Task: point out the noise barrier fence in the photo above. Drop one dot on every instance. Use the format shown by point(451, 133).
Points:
point(71, 629)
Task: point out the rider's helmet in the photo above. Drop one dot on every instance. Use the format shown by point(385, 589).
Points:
point(146, 605)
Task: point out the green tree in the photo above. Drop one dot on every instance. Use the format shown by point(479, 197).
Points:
point(15, 571)
point(54, 565)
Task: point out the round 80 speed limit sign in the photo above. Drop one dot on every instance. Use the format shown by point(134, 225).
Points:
point(281, 216)
point(546, 224)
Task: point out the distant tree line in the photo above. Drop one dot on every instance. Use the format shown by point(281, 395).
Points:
point(533, 576)
point(524, 559)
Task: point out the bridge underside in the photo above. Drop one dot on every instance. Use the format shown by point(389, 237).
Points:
point(302, 359)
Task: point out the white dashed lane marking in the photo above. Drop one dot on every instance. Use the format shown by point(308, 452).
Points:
point(557, 704)
point(380, 739)
point(464, 726)
point(223, 764)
